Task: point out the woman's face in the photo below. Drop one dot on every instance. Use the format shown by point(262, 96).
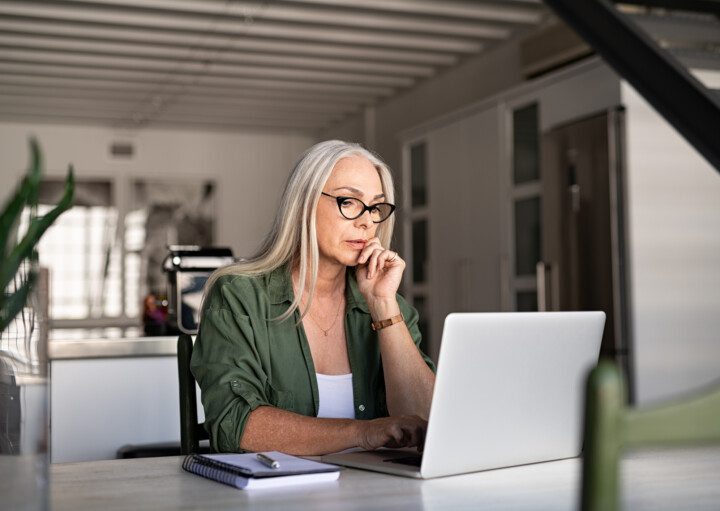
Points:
point(340, 240)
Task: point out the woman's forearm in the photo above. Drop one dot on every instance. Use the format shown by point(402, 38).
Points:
point(409, 381)
point(274, 429)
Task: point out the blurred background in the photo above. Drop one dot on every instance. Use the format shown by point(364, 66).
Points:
point(531, 174)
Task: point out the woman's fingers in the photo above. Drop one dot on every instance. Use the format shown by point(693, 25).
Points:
point(377, 258)
point(386, 259)
point(373, 262)
point(404, 431)
point(371, 245)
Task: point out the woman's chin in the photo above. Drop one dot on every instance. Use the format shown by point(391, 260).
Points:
point(349, 260)
point(341, 259)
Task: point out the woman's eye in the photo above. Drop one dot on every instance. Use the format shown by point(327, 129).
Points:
point(346, 203)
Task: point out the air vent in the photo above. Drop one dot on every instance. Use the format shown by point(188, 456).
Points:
point(122, 150)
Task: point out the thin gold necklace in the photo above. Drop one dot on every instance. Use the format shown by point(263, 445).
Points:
point(337, 313)
point(324, 331)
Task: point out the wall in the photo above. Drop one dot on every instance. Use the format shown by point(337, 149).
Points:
point(674, 230)
point(250, 168)
point(472, 81)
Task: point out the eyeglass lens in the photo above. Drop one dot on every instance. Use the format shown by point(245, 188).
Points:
point(353, 208)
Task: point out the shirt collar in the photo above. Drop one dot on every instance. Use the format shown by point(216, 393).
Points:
point(280, 288)
point(280, 285)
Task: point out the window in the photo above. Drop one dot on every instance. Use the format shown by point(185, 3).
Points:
point(104, 257)
point(526, 166)
point(81, 251)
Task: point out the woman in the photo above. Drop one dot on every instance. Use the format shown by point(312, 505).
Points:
point(307, 348)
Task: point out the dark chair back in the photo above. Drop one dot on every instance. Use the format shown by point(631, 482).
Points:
point(190, 431)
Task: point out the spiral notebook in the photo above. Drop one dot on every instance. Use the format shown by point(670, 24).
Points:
point(245, 472)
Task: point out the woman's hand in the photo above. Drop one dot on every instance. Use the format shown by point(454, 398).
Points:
point(394, 432)
point(379, 272)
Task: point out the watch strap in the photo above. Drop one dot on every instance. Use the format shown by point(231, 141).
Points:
point(384, 323)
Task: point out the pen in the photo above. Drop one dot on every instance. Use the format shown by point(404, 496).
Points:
point(267, 460)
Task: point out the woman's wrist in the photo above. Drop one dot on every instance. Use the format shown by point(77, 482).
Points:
point(383, 308)
point(358, 432)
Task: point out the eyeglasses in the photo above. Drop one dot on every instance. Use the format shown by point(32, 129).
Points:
point(352, 208)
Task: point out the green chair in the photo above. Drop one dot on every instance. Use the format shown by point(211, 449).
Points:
point(190, 431)
point(610, 426)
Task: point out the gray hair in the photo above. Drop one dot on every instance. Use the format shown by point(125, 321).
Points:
point(293, 237)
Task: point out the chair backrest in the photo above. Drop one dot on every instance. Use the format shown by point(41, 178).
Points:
point(190, 431)
point(611, 426)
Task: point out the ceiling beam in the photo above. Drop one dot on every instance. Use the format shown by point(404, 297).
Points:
point(33, 93)
point(67, 30)
point(236, 28)
point(31, 42)
point(116, 86)
point(250, 11)
point(682, 29)
point(129, 109)
point(530, 12)
point(65, 117)
point(61, 71)
point(707, 6)
point(197, 68)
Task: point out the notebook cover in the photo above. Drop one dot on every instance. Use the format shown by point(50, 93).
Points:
point(245, 471)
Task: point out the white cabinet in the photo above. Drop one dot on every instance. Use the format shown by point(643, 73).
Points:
point(99, 404)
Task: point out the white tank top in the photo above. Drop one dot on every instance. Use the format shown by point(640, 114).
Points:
point(336, 396)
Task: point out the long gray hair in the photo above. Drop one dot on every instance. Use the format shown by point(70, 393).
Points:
point(293, 237)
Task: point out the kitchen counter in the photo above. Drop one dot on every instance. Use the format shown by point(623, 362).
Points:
point(75, 349)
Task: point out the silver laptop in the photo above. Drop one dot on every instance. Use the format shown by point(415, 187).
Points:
point(509, 391)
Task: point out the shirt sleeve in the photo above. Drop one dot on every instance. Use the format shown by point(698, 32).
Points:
point(227, 367)
point(411, 320)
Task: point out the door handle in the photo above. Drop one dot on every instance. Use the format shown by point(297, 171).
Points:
point(548, 286)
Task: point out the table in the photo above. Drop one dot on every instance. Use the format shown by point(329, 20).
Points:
point(653, 480)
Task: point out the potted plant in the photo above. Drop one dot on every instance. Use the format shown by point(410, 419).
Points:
point(13, 252)
point(23, 382)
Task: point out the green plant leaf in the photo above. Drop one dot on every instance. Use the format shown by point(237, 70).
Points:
point(11, 305)
point(36, 229)
point(27, 190)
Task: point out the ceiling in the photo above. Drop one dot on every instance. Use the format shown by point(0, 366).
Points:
point(299, 65)
point(281, 64)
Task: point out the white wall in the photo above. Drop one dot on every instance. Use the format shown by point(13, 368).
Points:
point(250, 168)
point(674, 231)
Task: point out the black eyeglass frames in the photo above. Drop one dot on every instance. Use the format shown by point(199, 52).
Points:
point(352, 208)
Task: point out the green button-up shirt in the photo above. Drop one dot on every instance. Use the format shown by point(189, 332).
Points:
point(243, 358)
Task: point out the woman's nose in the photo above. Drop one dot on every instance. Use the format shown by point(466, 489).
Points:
point(364, 220)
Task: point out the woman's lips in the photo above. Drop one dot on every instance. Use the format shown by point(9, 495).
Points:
point(356, 244)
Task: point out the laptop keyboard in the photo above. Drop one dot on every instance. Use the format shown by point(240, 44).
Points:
point(413, 461)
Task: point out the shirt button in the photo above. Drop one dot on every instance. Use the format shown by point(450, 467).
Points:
point(361, 408)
